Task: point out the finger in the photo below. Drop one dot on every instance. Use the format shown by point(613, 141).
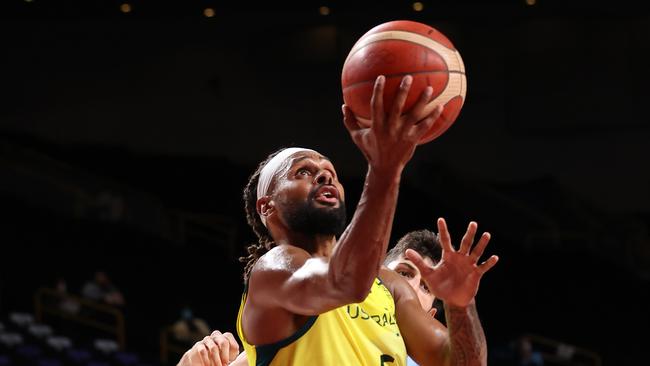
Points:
point(215, 333)
point(480, 246)
point(420, 129)
point(194, 359)
point(432, 312)
point(437, 112)
point(485, 266)
point(468, 238)
point(377, 113)
point(191, 357)
point(443, 234)
point(418, 261)
point(418, 110)
point(203, 353)
point(400, 98)
point(242, 357)
point(234, 346)
point(349, 119)
point(213, 350)
point(223, 345)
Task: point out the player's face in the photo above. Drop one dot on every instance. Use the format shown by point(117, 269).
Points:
point(310, 197)
point(411, 273)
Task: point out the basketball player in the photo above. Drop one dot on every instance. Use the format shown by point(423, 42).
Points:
point(220, 348)
point(313, 299)
point(426, 244)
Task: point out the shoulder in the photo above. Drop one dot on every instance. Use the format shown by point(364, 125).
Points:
point(280, 259)
point(391, 278)
point(278, 265)
point(396, 284)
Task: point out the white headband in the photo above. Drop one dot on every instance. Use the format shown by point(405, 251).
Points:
point(272, 167)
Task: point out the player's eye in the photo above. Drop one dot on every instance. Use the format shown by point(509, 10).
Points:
point(303, 171)
point(424, 287)
point(405, 274)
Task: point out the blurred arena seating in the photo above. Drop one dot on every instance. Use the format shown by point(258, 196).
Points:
point(537, 350)
point(31, 340)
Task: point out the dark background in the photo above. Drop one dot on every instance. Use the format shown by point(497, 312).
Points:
point(126, 140)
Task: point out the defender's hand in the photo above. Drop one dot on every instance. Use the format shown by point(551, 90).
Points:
point(455, 279)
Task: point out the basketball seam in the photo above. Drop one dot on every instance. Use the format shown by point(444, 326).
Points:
point(397, 40)
point(356, 48)
point(404, 74)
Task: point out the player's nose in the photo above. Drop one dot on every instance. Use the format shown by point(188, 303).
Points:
point(324, 177)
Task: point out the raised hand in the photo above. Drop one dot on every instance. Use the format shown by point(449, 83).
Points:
point(392, 138)
point(455, 279)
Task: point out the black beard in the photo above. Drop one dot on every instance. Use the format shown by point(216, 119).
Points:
point(310, 220)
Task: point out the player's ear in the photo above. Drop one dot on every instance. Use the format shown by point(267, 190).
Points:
point(265, 206)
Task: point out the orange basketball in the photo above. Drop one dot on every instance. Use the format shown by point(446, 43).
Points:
point(397, 48)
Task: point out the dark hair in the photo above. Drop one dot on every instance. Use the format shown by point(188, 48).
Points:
point(424, 242)
point(264, 240)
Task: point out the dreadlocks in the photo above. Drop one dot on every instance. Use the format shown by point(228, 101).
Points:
point(264, 240)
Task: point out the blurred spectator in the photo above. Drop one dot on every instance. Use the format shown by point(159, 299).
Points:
point(190, 329)
point(66, 304)
point(525, 355)
point(102, 289)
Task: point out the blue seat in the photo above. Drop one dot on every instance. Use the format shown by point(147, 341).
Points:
point(29, 351)
point(5, 361)
point(79, 355)
point(98, 363)
point(126, 358)
point(49, 362)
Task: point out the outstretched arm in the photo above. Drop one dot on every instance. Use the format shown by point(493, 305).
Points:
point(467, 339)
point(388, 145)
point(455, 280)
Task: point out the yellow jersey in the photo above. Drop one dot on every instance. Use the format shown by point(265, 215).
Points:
point(362, 334)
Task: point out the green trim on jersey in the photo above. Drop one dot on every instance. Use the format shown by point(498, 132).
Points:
point(267, 352)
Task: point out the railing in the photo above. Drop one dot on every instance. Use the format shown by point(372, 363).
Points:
point(47, 301)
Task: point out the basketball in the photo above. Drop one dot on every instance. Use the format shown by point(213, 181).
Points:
point(395, 49)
